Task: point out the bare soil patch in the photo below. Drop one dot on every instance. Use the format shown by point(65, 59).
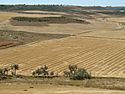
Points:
point(14, 38)
point(7, 44)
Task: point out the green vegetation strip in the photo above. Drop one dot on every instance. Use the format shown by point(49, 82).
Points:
point(61, 19)
point(115, 12)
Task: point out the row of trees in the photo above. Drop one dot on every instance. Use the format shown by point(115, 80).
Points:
point(32, 7)
point(7, 71)
point(73, 72)
point(43, 71)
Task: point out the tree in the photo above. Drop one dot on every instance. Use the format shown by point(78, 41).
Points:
point(72, 68)
point(14, 68)
point(42, 71)
point(81, 74)
point(5, 71)
point(34, 73)
point(52, 73)
point(77, 73)
point(67, 73)
point(1, 72)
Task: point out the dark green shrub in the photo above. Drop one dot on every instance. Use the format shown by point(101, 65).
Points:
point(76, 73)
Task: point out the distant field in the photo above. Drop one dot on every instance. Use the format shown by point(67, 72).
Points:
point(42, 12)
point(34, 21)
point(6, 15)
point(113, 12)
point(117, 19)
point(52, 28)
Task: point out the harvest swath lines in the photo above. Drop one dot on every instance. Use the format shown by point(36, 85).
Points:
point(63, 51)
point(101, 57)
point(83, 60)
point(56, 61)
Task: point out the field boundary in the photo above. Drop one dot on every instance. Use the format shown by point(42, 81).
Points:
point(97, 37)
point(111, 83)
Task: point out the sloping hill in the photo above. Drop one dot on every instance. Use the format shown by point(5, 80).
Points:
point(101, 57)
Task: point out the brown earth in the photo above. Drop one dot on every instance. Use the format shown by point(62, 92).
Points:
point(14, 38)
point(7, 44)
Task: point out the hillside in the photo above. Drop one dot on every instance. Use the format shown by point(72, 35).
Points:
point(101, 57)
point(97, 46)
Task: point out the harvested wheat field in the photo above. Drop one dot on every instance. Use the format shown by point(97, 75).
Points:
point(6, 15)
point(43, 12)
point(100, 56)
point(50, 28)
point(98, 46)
point(54, 36)
point(117, 19)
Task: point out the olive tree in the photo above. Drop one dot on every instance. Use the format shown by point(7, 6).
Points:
point(14, 69)
point(42, 71)
point(76, 73)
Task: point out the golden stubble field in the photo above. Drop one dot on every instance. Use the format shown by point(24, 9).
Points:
point(117, 19)
point(101, 57)
point(52, 28)
point(71, 28)
point(98, 47)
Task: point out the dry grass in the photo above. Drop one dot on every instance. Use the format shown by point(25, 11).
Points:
point(15, 88)
point(117, 19)
point(52, 28)
point(37, 15)
point(44, 12)
point(71, 28)
point(7, 15)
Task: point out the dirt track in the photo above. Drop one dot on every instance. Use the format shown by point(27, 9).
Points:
point(51, 89)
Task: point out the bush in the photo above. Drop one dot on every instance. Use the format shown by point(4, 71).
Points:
point(80, 74)
point(76, 73)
